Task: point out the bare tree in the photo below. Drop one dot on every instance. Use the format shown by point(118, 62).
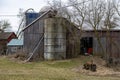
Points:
point(95, 17)
point(116, 5)
point(58, 5)
point(97, 14)
point(110, 22)
point(4, 25)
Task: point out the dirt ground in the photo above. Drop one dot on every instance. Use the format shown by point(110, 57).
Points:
point(102, 70)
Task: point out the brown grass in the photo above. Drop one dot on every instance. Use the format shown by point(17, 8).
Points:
point(47, 70)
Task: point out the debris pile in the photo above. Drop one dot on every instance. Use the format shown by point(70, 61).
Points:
point(90, 66)
point(99, 70)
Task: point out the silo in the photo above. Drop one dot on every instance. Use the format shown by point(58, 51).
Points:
point(31, 17)
point(54, 39)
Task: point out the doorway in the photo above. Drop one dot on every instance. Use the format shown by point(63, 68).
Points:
point(86, 46)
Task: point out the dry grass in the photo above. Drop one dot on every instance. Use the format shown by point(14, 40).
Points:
point(45, 70)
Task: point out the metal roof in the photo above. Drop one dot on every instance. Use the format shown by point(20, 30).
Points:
point(15, 42)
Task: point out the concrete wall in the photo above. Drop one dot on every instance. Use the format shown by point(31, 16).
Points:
point(54, 39)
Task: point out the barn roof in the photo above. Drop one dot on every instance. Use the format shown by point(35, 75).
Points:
point(100, 30)
point(6, 35)
point(36, 19)
point(15, 42)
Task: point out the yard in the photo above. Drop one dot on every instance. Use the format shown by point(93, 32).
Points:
point(46, 70)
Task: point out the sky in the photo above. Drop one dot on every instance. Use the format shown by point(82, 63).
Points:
point(11, 7)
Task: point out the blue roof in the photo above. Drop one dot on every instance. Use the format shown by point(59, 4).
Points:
point(15, 42)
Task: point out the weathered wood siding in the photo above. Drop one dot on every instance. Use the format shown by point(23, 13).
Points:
point(97, 50)
point(32, 36)
point(14, 49)
point(3, 46)
point(110, 42)
point(35, 31)
point(72, 41)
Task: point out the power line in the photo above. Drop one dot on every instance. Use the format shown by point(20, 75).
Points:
point(16, 15)
point(9, 15)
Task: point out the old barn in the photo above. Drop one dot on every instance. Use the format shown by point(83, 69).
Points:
point(51, 38)
point(106, 43)
point(5, 37)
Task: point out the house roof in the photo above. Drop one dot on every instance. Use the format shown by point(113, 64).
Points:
point(6, 35)
point(36, 19)
point(15, 42)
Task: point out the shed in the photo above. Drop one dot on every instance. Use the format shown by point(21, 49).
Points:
point(5, 37)
point(14, 45)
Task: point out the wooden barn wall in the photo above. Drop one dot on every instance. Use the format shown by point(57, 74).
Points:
point(3, 46)
point(97, 50)
point(72, 42)
point(111, 44)
point(32, 36)
point(114, 44)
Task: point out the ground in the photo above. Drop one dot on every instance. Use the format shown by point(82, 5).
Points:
point(11, 69)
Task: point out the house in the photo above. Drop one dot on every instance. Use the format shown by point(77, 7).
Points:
point(14, 46)
point(49, 37)
point(5, 37)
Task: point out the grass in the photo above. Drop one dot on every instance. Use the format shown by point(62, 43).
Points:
point(45, 70)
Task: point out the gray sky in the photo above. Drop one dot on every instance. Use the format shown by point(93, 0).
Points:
point(11, 7)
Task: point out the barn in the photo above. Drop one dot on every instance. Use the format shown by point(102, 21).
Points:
point(50, 38)
point(5, 37)
point(106, 43)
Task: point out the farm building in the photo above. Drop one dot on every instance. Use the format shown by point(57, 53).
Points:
point(5, 37)
point(50, 38)
point(107, 46)
point(14, 46)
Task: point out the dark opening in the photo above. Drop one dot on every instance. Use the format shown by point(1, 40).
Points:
point(86, 46)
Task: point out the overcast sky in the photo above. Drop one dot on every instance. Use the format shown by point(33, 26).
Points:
point(11, 7)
